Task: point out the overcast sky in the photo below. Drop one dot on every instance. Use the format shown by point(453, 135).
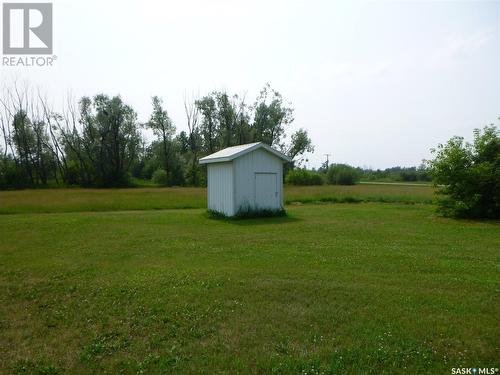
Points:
point(375, 83)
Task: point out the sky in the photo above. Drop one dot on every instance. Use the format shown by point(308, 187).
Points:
point(376, 84)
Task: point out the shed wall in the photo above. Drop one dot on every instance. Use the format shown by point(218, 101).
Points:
point(245, 168)
point(221, 188)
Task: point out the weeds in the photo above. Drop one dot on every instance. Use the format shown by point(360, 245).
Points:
point(248, 213)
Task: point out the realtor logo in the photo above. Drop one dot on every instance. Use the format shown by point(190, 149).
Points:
point(27, 28)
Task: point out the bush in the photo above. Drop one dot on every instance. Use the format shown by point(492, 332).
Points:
point(72, 173)
point(468, 175)
point(304, 177)
point(11, 175)
point(342, 174)
point(160, 177)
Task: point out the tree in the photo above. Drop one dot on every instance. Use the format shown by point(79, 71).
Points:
point(209, 125)
point(25, 135)
point(194, 139)
point(243, 129)
point(342, 174)
point(468, 175)
point(271, 116)
point(226, 113)
point(300, 144)
point(163, 128)
point(23, 139)
point(96, 141)
point(53, 143)
point(110, 138)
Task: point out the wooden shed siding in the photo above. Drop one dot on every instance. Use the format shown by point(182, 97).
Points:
point(221, 188)
point(245, 167)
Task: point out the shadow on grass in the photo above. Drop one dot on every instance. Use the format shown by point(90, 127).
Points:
point(265, 220)
point(467, 220)
point(247, 220)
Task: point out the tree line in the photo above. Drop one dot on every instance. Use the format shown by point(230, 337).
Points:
point(344, 174)
point(99, 141)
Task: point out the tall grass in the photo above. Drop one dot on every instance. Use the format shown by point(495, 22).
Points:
point(359, 193)
point(80, 200)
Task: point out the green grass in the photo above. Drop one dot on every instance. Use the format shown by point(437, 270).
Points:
point(84, 200)
point(384, 193)
point(338, 288)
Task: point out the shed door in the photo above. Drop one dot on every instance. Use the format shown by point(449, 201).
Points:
point(266, 190)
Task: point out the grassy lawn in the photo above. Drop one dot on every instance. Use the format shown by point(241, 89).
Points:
point(333, 288)
point(83, 200)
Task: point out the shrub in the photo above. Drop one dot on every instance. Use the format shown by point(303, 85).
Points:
point(249, 213)
point(468, 175)
point(342, 174)
point(72, 173)
point(304, 177)
point(160, 177)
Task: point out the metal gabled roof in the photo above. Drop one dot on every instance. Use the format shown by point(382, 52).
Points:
point(231, 153)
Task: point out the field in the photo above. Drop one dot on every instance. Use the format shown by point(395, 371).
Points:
point(332, 288)
point(80, 200)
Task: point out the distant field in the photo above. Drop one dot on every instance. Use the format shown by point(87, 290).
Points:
point(417, 183)
point(81, 200)
point(331, 289)
point(391, 193)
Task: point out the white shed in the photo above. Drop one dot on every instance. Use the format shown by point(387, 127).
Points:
point(245, 177)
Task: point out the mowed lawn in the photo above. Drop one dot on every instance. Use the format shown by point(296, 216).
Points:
point(333, 288)
point(80, 200)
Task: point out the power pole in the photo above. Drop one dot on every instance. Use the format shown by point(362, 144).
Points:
point(327, 160)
